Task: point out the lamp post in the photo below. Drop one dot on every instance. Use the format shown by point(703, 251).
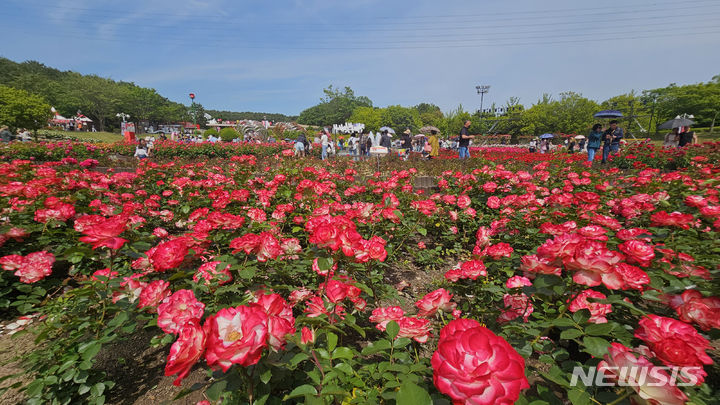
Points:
point(194, 113)
point(481, 90)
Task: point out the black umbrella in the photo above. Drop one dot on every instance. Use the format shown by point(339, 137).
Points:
point(678, 122)
point(608, 114)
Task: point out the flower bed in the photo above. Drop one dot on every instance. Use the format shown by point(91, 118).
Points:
point(290, 280)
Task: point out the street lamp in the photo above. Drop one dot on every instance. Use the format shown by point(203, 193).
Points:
point(481, 90)
point(194, 113)
point(123, 116)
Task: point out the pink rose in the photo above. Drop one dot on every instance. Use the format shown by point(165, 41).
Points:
point(434, 301)
point(178, 309)
point(186, 350)
point(597, 310)
point(235, 335)
point(472, 365)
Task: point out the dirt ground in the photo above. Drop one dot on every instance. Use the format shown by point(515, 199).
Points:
point(136, 368)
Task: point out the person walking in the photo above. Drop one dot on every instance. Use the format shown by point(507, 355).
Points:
point(594, 140)
point(612, 138)
point(464, 144)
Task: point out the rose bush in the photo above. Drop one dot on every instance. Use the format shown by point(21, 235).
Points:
point(290, 280)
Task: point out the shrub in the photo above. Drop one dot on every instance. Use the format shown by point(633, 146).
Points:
point(228, 134)
point(210, 132)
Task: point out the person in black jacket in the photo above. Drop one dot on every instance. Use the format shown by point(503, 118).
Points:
point(406, 140)
point(385, 139)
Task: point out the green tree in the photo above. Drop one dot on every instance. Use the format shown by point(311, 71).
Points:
point(370, 116)
point(335, 108)
point(399, 117)
point(20, 109)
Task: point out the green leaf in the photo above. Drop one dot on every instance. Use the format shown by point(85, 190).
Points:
point(89, 350)
point(343, 353)
point(599, 329)
point(266, 376)
point(579, 397)
point(372, 348)
point(332, 341)
point(570, 334)
point(216, 389)
point(563, 322)
point(305, 389)
point(422, 231)
point(411, 394)
point(595, 345)
point(392, 329)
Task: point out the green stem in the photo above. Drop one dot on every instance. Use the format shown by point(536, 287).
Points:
point(627, 393)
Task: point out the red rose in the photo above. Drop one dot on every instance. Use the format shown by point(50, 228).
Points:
point(168, 255)
point(153, 293)
point(105, 233)
point(235, 336)
point(209, 273)
point(31, 268)
point(280, 320)
point(675, 343)
point(186, 350)
point(638, 252)
point(516, 305)
point(415, 328)
point(651, 389)
point(177, 310)
point(383, 315)
point(676, 219)
point(434, 301)
point(692, 307)
point(472, 365)
point(518, 282)
point(597, 310)
point(307, 335)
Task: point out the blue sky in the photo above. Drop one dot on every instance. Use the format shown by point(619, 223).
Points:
point(277, 56)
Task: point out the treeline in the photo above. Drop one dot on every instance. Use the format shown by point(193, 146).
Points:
point(97, 97)
point(102, 99)
point(255, 116)
point(569, 112)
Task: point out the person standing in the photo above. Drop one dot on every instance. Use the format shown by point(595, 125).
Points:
point(434, 142)
point(385, 139)
point(300, 145)
point(613, 135)
point(406, 140)
point(325, 143)
point(594, 140)
point(687, 137)
point(5, 134)
point(672, 139)
point(533, 146)
point(571, 146)
point(581, 145)
point(363, 144)
point(464, 144)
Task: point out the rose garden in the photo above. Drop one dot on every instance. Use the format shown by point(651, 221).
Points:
point(261, 278)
